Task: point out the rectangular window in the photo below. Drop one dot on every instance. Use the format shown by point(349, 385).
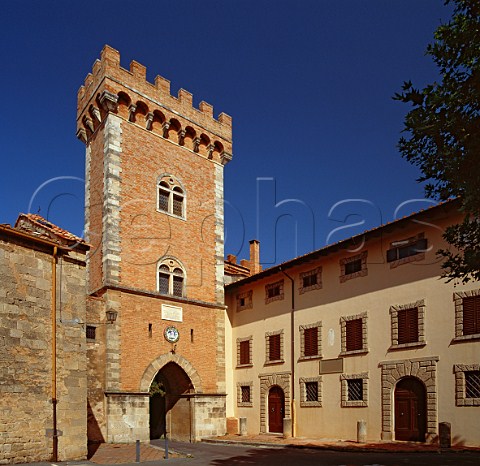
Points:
point(177, 286)
point(177, 205)
point(354, 334)
point(246, 394)
point(163, 200)
point(471, 315)
point(310, 336)
point(472, 384)
point(311, 391)
point(163, 283)
point(274, 353)
point(353, 266)
point(310, 280)
point(355, 389)
point(91, 332)
point(408, 325)
point(273, 291)
point(245, 352)
point(410, 248)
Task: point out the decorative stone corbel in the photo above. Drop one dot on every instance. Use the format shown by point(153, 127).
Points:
point(109, 101)
point(149, 120)
point(210, 148)
point(89, 123)
point(82, 135)
point(96, 113)
point(165, 126)
point(132, 109)
point(225, 157)
point(196, 144)
point(181, 137)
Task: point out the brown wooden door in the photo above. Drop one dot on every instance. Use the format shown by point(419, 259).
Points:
point(410, 410)
point(276, 409)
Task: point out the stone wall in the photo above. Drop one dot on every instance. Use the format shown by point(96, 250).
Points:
point(26, 353)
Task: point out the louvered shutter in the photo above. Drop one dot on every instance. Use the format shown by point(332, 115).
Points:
point(408, 325)
point(274, 350)
point(471, 315)
point(354, 335)
point(245, 352)
point(310, 336)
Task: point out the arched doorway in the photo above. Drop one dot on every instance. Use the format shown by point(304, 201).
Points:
point(410, 410)
point(170, 404)
point(276, 409)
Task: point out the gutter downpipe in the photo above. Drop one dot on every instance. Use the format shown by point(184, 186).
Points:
point(54, 353)
point(292, 352)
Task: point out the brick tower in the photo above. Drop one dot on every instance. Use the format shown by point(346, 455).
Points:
point(154, 219)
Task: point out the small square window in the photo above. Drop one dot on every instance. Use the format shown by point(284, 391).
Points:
point(407, 250)
point(353, 267)
point(310, 280)
point(355, 390)
point(311, 391)
point(245, 300)
point(91, 332)
point(274, 292)
point(245, 394)
point(472, 384)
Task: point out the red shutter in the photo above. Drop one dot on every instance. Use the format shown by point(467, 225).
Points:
point(471, 315)
point(274, 351)
point(310, 336)
point(408, 325)
point(245, 352)
point(354, 335)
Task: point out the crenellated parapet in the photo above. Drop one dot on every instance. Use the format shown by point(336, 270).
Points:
point(127, 93)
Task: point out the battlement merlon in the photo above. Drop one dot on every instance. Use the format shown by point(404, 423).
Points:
point(108, 77)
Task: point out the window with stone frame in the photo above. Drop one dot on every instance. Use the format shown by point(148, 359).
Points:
point(354, 338)
point(467, 384)
point(274, 347)
point(310, 341)
point(274, 292)
point(353, 267)
point(171, 196)
point(91, 331)
point(354, 390)
point(310, 280)
point(408, 325)
point(244, 351)
point(245, 394)
point(407, 250)
point(310, 392)
point(171, 277)
point(467, 315)
point(245, 300)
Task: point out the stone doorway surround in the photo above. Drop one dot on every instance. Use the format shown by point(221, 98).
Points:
point(424, 369)
point(267, 381)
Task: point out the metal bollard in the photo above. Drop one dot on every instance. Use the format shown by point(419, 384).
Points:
point(137, 451)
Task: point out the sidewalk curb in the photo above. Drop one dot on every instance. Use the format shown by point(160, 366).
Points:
point(345, 448)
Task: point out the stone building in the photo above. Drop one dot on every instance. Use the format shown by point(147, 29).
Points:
point(154, 218)
point(42, 274)
point(361, 330)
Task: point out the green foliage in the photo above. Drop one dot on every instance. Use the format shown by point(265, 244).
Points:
point(444, 133)
point(157, 389)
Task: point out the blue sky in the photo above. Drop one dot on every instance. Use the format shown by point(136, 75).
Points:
point(308, 84)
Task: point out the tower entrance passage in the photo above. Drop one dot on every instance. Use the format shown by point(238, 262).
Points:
point(171, 404)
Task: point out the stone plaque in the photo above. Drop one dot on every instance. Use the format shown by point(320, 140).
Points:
point(174, 313)
point(331, 366)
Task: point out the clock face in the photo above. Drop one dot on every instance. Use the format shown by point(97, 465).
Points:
point(171, 334)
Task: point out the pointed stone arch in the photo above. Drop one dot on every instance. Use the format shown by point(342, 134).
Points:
point(424, 369)
point(164, 359)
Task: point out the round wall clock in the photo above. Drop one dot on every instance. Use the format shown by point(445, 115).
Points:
point(171, 334)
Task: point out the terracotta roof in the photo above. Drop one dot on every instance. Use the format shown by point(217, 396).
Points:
point(39, 226)
point(450, 204)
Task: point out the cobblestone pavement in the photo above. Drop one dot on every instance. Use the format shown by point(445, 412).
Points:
point(110, 453)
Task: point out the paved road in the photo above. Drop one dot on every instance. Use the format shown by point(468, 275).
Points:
point(232, 455)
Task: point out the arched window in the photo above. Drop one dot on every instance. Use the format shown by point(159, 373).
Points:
point(171, 278)
point(171, 196)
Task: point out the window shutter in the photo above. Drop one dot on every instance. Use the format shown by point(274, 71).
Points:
point(245, 352)
point(274, 350)
point(471, 315)
point(408, 325)
point(354, 335)
point(310, 337)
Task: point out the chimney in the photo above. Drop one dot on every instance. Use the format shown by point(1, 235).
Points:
point(255, 266)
